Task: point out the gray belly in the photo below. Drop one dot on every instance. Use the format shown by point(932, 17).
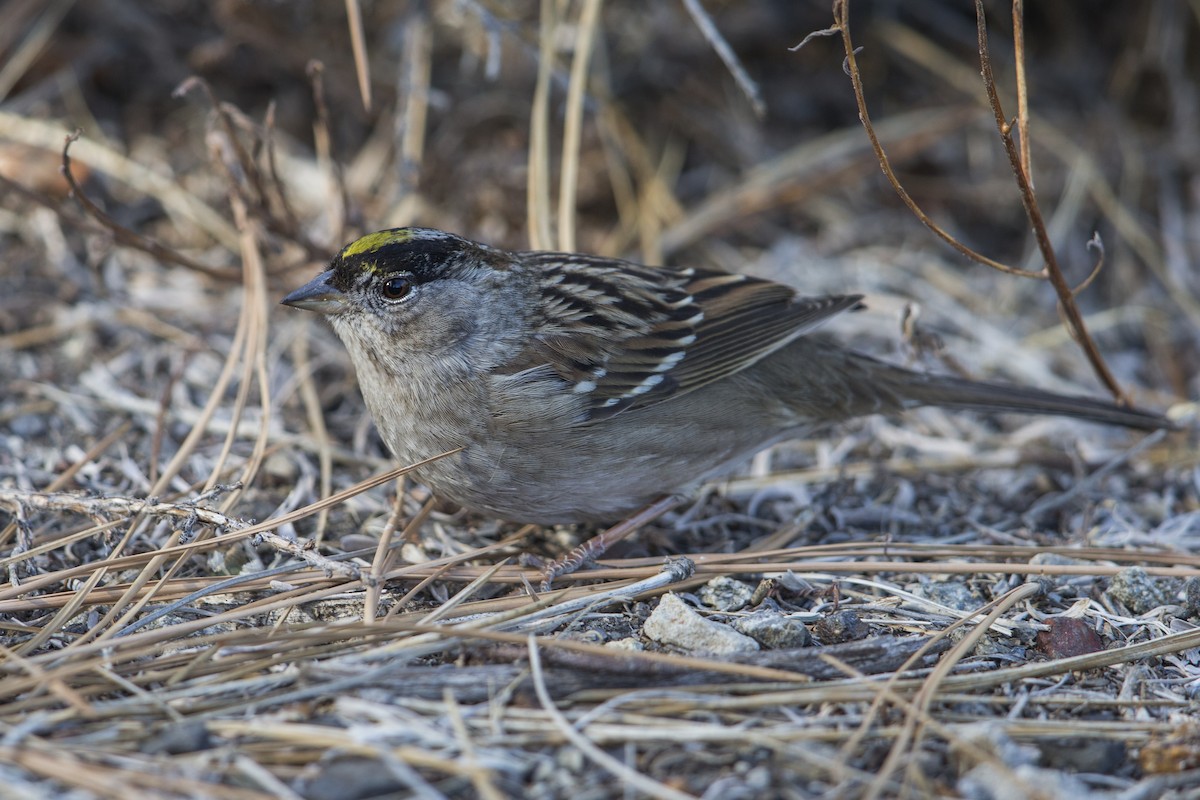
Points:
point(604, 471)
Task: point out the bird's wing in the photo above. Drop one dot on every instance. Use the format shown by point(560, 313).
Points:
point(623, 335)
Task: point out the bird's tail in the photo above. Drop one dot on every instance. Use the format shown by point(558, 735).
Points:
point(919, 389)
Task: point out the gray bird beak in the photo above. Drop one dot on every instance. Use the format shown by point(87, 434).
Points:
point(318, 295)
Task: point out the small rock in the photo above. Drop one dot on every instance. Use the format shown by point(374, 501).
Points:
point(774, 631)
point(1137, 591)
point(841, 626)
point(357, 541)
point(675, 623)
point(767, 589)
point(796, 585)
point(997, 648)
point(725, 594)
point(1191, 596)
point(1068, 636)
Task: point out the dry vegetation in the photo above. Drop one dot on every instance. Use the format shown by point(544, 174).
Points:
point(217, 585)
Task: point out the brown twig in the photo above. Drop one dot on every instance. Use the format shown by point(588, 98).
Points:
point(122, 235)
point(358, 44)
point(1051, 270)
point(1018, 16)
point(254, 175)
point(410, 126)
point(841, 15)
point(573, 125)
point(1095, 245)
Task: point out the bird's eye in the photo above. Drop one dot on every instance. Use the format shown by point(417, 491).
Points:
point(396, 288)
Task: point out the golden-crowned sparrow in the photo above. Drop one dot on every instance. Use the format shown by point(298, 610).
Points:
point(582, 388)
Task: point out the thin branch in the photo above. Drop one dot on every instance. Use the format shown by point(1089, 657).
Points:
point(1018, 17)
point(411, 123)
point(841, 15)
point(224, 115)
point(358, 44)
point(1095, 245)
point(1051, 270)
point(124, 236)
point(718, 43)
point(190, 514)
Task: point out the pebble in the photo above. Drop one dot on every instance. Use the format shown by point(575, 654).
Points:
point(673, 622)
point(774, 631)
point(1191, 596)
point(841, 626)
point(725, 594)
point(1137, 591)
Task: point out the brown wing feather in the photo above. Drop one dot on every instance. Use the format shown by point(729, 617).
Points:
point(626, 335)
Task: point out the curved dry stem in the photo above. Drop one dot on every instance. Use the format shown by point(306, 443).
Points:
point(841, 15)
point(1019, 162)
point(1051, 270)
point(124, 236)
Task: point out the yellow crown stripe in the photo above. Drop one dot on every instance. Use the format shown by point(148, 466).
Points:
point(373, 241)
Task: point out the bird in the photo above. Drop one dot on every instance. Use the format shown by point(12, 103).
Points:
point(576, 388)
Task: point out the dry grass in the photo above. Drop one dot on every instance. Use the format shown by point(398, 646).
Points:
point(218, 585)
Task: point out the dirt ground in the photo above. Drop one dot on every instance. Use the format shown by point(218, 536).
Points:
point(218, 585)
